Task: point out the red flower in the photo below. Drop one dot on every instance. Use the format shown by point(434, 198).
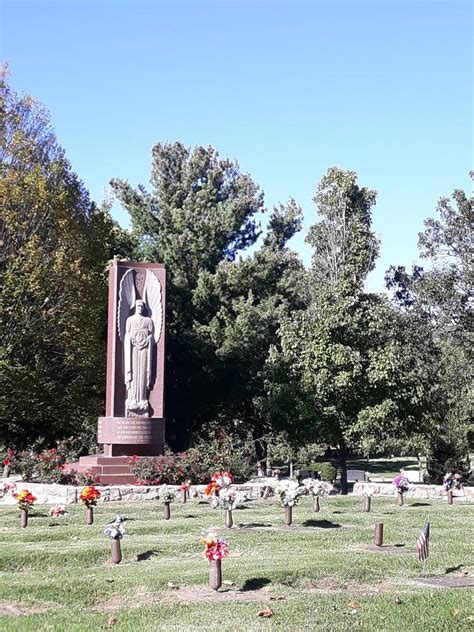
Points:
point(89, 496)
point(212, 488)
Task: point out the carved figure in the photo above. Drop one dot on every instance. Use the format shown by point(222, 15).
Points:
point(139, 333)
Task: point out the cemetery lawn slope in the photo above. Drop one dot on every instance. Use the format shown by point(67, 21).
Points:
point(322, 573)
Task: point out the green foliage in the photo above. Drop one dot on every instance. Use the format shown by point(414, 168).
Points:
point(341, 371)
point(436, 305)
point(55, 245)
point(223, 311)
point(217, 450)
point(170, 469)
point(326, 471)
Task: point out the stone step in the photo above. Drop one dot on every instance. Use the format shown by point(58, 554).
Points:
point(100, 459)
point(116, 479)
point(114, 469)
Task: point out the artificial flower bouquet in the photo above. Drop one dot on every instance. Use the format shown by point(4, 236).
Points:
point(116, 529)
point(59, 511)
point(401, 483)
point(289, 492)
point(452, 481)
point(219, 480)
point(89, 496)
point(166, 494)
point(185, 487)
point(230, 499)
point(314, 487)
point(25, 499)
point(215, 548)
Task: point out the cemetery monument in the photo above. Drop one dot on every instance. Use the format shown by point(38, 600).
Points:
point(134, 421)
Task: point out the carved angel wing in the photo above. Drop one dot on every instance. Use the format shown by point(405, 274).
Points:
point(152, 297)
point(126, 301)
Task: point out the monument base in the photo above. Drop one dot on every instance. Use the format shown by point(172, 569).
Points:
point(123, 437)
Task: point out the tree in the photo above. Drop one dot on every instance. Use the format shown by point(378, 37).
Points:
point(339, 373)
point(55, 245)
point(440, 299)
point(222, 309)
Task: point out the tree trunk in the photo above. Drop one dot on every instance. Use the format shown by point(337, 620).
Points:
point(367, 500)
point(450, 497)
point(167, 511)
point(343, 465)
point(288, 515)
point(229, 520)
point(291, 469)
point(261, 453)
point(268, 468)
point(316, 504)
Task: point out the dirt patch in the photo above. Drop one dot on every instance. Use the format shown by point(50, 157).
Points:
point(143, 596)
point(12, 609)
point(183, 595)
point(387, 549)
point(444, 582)
point(204, 595)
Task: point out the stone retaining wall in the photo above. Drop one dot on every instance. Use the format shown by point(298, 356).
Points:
point(69, 494)
point(427, 492)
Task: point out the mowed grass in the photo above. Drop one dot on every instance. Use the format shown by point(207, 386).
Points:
point(57, 574)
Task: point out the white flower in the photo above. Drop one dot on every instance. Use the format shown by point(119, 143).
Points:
point(58, 511)
point(316, 487)
point(115, 530)
point(289, 492)
point(166, 494)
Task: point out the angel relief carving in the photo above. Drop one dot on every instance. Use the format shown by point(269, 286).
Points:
point(139, 333)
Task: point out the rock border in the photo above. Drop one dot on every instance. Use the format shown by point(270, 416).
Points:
point(52, 494)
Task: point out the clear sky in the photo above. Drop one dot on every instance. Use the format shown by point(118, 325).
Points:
point(288, 89)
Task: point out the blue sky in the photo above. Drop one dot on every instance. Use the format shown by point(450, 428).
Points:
point(286, 88)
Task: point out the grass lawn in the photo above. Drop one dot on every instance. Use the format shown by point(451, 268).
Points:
point(55, 574)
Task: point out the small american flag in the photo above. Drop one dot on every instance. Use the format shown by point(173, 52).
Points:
point(423, 542)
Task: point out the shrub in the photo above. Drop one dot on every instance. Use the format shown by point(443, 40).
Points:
point(170, 469)
point(325, 471)
point(46, 466)
point(219, 450)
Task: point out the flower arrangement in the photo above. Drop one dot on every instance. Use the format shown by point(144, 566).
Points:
point(452, 481)
point(215, 548)
point(288, 492)
point(230, 499)
point(314, 487)
point(25, 499)
point(184, 487)
point(59, 511)
point(115, 530)
point(166, 494)
point(89, 496)
point(401, 483)
point(8, 488)
point(212, 489)
point(219, 480)
point(224, 479)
